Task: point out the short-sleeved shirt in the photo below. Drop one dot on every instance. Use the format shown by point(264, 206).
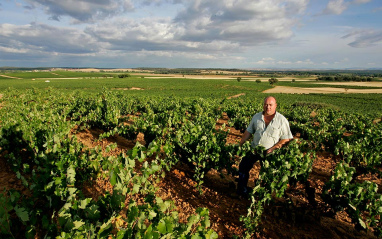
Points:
point(268, 136)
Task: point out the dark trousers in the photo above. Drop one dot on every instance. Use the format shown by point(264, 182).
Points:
point(245, 166)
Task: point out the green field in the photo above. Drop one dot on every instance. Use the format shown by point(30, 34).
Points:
point(93, 82)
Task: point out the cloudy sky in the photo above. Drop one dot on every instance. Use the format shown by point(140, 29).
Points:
point(316, 34)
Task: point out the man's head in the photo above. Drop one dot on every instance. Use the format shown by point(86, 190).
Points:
point(270, 105)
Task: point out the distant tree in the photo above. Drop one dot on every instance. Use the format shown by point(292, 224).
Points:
point(238, 79)
point(258, 81)
point(273, 80)
point(123, 75)
point(293, 80)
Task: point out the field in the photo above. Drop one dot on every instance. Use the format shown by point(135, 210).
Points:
point(206, 86)
point(87, 154)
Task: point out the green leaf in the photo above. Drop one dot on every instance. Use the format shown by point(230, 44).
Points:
point(191, 221)
point(78, 224)
point(92, 212)
point(155, 167)
point(362, 223)
point(84, 203)
point(71, 175)
point(14, 196)
point(162, 227)
point(121, 234)
point(105, 228)
point(196, 236)
point(113, 178)
point(285, 178)
point(212, 235)
point(353, 207)
point(152, 214)
point(136, 188)
point(150, 234)
point(56, 138)
point(133, 213)
point(22, 213)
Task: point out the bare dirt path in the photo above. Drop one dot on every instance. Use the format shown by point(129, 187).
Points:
point(367, 84)
point(235, 96)
point(12, 77)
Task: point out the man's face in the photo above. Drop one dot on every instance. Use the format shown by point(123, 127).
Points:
point(270, 106)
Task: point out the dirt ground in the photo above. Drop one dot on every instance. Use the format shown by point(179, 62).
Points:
point(320, 90)
point(10, 77)
point(367, 84)
point(217, 77)
point(279, 221)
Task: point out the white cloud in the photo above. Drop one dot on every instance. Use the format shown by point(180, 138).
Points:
point(244, 21)
point(210, 25)
point(145, 53)
point(190, 33)
point(365, 38)
point(335, 7)
point(269, 61)
point(361, 1)
point(305, 62)
point(134, 35)
point(44, 38)
point(202, 26)
point(266, 60)
point(82, 10)
point(13, 50)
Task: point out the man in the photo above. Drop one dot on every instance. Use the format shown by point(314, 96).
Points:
point(271, 130)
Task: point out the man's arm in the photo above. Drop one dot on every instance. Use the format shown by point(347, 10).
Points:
point(278, 145)
point(245, 137)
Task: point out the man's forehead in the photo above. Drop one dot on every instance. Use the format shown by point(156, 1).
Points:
point(270, 101)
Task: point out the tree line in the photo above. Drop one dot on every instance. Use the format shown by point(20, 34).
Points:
point(345, 78)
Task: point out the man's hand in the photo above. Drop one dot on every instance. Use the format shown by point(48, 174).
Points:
point(278, 145)
point(270, 150)
point(245, 137)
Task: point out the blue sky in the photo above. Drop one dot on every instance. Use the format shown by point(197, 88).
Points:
point(250, 34)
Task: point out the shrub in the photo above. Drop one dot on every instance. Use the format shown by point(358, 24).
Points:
point(123, 75)
point(273, 81)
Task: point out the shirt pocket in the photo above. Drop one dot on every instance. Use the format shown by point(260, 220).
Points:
point(274, 132)
point(259, 126)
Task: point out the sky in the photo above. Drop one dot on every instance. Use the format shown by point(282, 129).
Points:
point(241, 34)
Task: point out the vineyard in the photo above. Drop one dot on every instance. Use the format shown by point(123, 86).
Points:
point(114, 165)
